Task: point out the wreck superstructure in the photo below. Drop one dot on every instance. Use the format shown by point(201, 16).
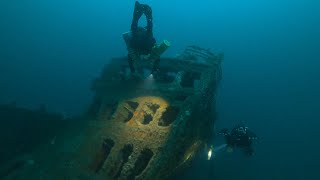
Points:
point(151, 126)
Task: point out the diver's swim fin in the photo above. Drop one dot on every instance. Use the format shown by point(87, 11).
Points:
point(137, 13)
point(139, 10)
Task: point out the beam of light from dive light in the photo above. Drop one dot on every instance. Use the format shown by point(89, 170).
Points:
point(150, 78)
point(149, 82)
point(213, 151)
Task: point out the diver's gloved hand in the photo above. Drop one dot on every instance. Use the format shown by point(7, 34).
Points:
point(154, 71)
point(155, 65)
point(213, 151)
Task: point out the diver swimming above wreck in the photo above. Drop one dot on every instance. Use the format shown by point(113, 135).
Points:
point(140, 42)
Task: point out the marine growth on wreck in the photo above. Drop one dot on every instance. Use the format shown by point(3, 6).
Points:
point(137, 127)
point(150, 127)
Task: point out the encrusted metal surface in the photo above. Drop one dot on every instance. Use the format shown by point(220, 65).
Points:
point(150, 128)
point(138, 127)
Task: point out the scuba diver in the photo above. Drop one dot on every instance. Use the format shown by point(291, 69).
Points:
point(240, 137)
point(140, 40)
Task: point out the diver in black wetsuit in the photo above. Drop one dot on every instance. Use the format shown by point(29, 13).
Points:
point(140, 40)
point(240, 137)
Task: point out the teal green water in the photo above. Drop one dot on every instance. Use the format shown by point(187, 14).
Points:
point(51, 50)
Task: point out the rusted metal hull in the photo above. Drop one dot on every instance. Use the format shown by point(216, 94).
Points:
point(151, 128)
point(138, 127)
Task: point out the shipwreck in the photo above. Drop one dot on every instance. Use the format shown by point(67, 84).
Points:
point(153, 126)
point(137, 128)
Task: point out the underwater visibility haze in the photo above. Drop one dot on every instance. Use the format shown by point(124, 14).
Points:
point(51, 51)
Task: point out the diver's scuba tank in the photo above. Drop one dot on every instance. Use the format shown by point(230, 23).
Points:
point(159, 49)
point(156, 52)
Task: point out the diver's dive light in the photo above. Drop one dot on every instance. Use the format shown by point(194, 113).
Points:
point(213, 151)
point(210, 152)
